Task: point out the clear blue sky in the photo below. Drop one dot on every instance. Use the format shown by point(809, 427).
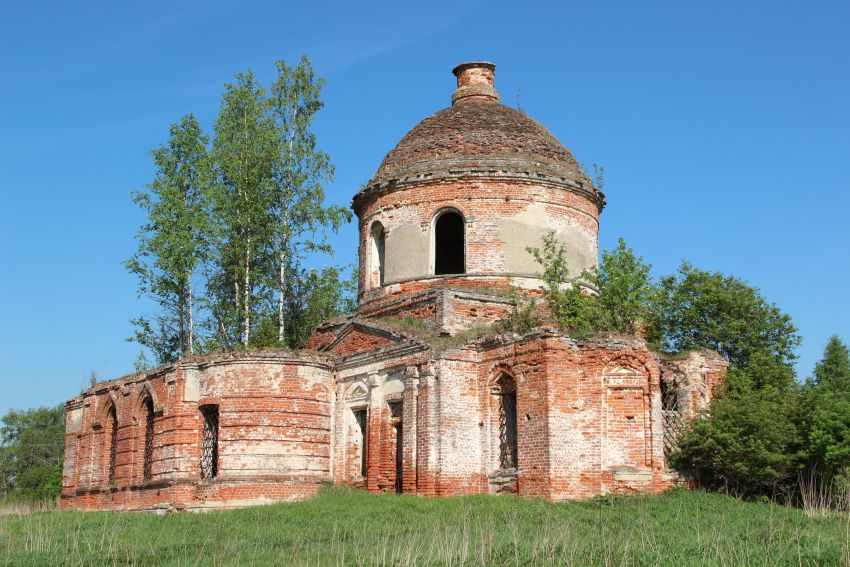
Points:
point(724, 129)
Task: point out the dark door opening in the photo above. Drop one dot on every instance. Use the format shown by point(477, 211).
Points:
point(505, 390)
point(449, 245)
point(508, 455)
point(398, 426)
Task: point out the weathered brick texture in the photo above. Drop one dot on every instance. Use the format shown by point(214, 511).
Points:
point(376, 407)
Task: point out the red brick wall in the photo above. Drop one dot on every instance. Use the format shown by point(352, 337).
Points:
point(484, 203)
point(588, 422)
point(274, 435)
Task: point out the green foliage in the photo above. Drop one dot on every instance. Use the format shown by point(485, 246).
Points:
point(625, 289)
point(141, 363)
point(571, 309)
point(313, 296)
point(695, 308)
point(744, 444)
point(173, 242)
point(833, 371)
point(32, 446)
point(825, 413)
point(748, 442)
point(237, 217)
point(244, 155)
point(301, 170)
point(521, 319)
point(351, 527)
point(623, 280)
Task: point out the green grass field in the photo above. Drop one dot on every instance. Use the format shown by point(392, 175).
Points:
point(346, 527)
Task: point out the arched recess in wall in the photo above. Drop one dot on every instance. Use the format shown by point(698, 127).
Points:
point(111, 428)
point(377, 254)
point(147, 450)
point(357, 430)
point(449, 243)
point(209, 441)
point(626, 413)
point(503, 388)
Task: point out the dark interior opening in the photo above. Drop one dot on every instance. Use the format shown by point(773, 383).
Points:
point(209, 443)
point(113, 442)
point(448, 244)
point(147, 462)
point(669, 397)
point(360, 416)
point(508, 456)
point(396, 412)
point(505, 389)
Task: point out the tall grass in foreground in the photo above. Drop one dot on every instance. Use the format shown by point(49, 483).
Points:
point(822, 495)
point(27, 507)
point(348, 527)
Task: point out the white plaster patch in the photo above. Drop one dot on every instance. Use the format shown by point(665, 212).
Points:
point(394, 386)
point(192, 387)
point(74, 421)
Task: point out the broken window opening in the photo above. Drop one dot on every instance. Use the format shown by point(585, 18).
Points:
point(671, 410)
point(360, 418)
point(209, 443)
point(506, 391)
point(396, 420)
point(113, 443)
point(449, 244)
point(147, 462)
point(378, 247)
point(669, 397)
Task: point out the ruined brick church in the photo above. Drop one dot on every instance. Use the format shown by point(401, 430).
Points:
point(409, 394)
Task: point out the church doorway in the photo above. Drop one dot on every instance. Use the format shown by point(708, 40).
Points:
point(398, 437)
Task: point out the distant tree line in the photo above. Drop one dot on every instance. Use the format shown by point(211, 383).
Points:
point(765, 431)
point(32, 445)
point(232, 221)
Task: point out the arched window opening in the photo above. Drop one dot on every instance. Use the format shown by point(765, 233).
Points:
point(449, 244)
point(377, 254)
point(674, 422)
point(147, 462)
point(505, 389)
point(669, 397)
point(113, 443)
point(209, 442)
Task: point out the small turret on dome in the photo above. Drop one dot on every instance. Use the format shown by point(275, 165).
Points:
point(475, 82)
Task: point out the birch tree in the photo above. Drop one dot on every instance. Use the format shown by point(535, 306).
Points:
point(244, 152)
point(300, 171)
point(173, 242)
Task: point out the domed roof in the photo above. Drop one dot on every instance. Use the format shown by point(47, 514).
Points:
point(480, 136)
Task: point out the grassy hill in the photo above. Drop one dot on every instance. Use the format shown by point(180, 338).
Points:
point(346, 527)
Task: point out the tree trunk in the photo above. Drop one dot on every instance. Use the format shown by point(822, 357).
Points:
point(281, 300)
point(181, 320)
point(190, 299)
point(246, 293)
point(281, 324)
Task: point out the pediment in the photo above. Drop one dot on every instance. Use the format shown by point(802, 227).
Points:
point(359, 391)
point(357, 337)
